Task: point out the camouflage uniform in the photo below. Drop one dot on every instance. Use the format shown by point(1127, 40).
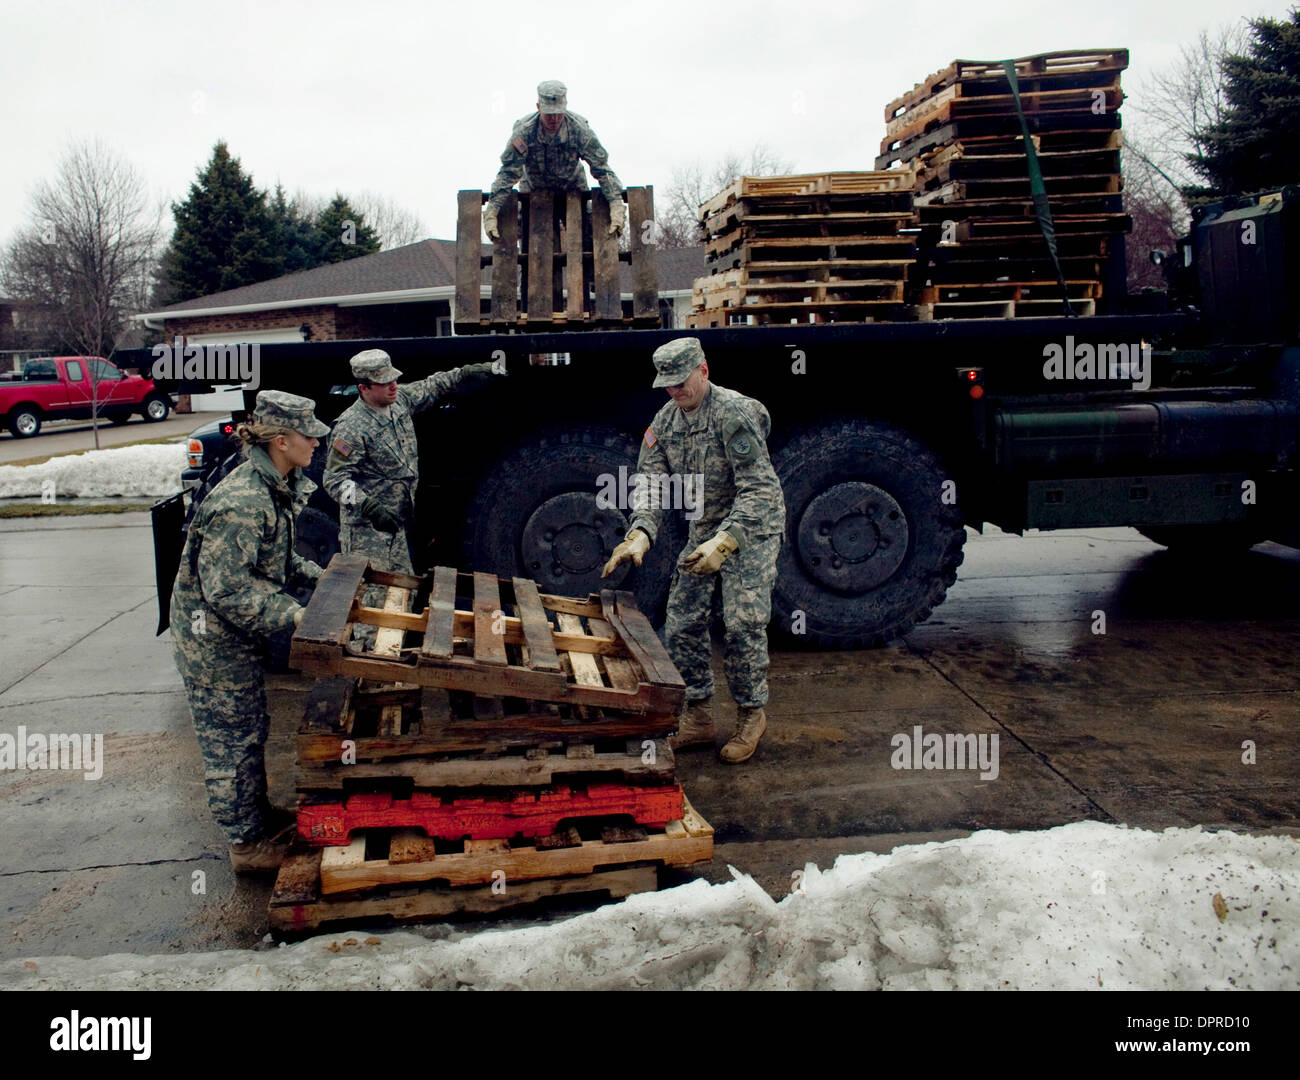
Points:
point(722, 439)
point(374, 453)
point(230, 595)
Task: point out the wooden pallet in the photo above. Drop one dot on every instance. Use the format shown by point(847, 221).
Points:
point(805, 185)
point(407, 856)
point(965, 292)
point(844, 311)
point(511, 642)
point(1056, 131)
point(496, 815)
point(804, 292)
point(554, 266)
point(1001, 309)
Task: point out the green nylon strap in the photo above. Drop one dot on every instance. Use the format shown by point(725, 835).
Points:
point(1042, 209)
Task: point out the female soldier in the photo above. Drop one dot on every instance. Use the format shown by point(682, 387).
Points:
point(230, 596)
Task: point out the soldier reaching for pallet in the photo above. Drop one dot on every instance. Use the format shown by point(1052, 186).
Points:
point(710, 431)
point(546, 151)
point(373, 466)
point(231, 594)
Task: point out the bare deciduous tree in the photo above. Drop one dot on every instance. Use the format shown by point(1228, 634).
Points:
point(1181, 103)
point(696, 183)
point(87, 253)
point(1154, 203)
point(395, 225)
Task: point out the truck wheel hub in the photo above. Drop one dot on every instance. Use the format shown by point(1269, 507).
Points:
point(568, 538)
point(852, 537)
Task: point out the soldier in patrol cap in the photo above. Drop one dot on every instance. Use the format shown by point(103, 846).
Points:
point(546, 150)
point(373, 466)
point(720, 435)
point(233, 590)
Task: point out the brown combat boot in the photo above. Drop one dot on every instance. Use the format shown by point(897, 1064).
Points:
point(261, 856)
point(696, 727)
point(750, 725)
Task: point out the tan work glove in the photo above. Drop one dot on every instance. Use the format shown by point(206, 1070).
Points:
point(710, 555)
point(490, 223)
point(617, 216)
point(297, 617)
point(634, 547)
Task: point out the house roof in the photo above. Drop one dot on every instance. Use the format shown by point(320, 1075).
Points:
point(428, 264)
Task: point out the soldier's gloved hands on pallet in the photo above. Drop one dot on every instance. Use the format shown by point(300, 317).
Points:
point(710, 555)
point(633, 547)
point(297, 617)
point(378, 515)
point(490, 223)
point(617, 216)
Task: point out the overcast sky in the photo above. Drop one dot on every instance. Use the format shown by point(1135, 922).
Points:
point(415, 100)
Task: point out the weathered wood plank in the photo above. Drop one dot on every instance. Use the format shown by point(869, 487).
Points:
point(469, 245)
point(325, 622)
point(585, 669)
point(505, 263)
point(541, 255)
point(604, 247)
point(489, 619)
point(645, 253)
point(575, 303)
point(536, 627)
point(329, 701)
point(442, 613)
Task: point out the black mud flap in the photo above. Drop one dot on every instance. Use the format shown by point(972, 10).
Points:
point(168, 544)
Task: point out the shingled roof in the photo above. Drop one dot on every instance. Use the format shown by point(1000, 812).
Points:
point(428, 264)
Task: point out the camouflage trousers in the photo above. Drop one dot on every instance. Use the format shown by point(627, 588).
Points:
point(745, 581)
point(232, 726)
point(386, 551)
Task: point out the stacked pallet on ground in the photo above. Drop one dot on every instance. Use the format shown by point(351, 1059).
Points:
point(981, 251)
point(823, 247)
point(493, 747)
point(555, 264)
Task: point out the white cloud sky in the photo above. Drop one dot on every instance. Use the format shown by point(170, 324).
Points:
point(415, 100)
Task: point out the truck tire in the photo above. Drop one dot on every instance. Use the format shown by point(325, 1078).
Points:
point(156, 407)
point(25, 421)
point(118, 416)
point(1231, 537)
point(871, 544)
point(535, 515)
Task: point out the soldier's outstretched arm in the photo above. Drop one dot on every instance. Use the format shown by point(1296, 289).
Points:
point(597, 159)
point(424, 393)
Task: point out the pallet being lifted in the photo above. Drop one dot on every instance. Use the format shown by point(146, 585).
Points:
point(508, 642)
point(554, 265)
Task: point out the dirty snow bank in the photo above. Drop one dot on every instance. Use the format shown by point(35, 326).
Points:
point(132, 471)
point(1079, 906)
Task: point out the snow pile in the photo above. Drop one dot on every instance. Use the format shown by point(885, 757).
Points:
point(1077, 907)
point(123, 471)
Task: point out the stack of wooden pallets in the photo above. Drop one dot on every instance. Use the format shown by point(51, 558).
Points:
point(817, 248)
point(981, 251)
point(555, 265)
point(495, 746)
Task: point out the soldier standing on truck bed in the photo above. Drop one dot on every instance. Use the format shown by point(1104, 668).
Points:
point(373, 466)
point(711, 432)
point(546, 151)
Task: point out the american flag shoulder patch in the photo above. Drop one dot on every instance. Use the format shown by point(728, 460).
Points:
point(343, 448)
point(520, 145)
point(650, 438)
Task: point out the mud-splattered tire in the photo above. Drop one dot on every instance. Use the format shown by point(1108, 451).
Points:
point(874, 536)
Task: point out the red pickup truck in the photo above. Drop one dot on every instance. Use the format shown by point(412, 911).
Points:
point(69, 388)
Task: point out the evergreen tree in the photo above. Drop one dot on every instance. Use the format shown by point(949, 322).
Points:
point(225, 236)
point(341, 233)
point(1257, 144)
point(295, 233)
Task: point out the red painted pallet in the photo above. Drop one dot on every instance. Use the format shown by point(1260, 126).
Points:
point(527, 813)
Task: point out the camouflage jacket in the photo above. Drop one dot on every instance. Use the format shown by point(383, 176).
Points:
point(373, 454)
point(542, 161)
point(239, 558)
point(724, 441)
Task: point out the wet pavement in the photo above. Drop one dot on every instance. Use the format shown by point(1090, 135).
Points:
point(1184, 711)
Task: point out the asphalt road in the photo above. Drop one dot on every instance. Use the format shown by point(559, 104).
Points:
point(1143, 724)
point(72, 436)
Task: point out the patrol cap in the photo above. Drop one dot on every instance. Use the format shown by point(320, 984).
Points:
point(676, 360)
point(552, 97)
point(374, 365)
point(278, 409)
